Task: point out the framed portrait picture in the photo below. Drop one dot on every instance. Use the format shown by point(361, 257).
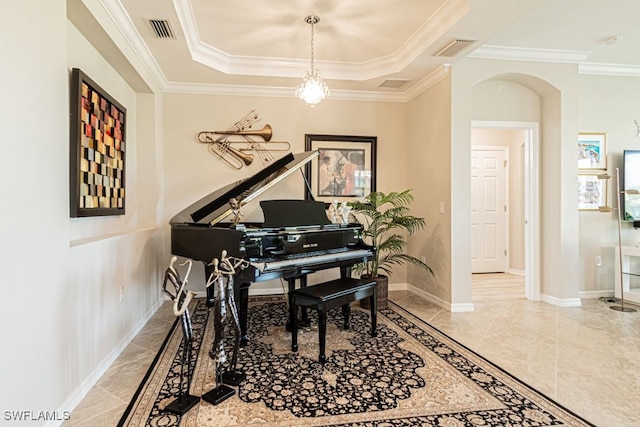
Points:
point(345, 168)
point(592, 150)
point(592, 192)
point(97, 150)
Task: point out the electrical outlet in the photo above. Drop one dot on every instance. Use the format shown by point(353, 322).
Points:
point(423, 259)
point(121, 293)
point(441, 207)
point(598, 260)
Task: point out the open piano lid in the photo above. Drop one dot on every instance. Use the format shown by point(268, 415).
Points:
point(215, 207)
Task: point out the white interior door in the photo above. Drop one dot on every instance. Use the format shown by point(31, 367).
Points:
point(488, 211)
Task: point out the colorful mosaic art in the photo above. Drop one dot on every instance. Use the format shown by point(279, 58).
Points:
point(98, 150)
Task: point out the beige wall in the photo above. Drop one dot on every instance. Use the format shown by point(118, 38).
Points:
point(191, 172)
point(427, 158)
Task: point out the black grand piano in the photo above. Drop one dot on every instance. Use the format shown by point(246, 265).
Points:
point(295, 239)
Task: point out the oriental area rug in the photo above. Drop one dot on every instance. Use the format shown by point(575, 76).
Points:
point(410, 374)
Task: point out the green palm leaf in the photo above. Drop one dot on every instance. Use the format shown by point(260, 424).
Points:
point(386, 220)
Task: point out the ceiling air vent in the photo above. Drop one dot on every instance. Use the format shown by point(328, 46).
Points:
point(161, 28)
point(454, 47)
point(394, 83)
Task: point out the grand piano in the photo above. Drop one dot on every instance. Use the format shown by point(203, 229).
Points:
point(295, 239)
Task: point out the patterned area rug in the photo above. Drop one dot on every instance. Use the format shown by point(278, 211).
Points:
point(410, 374)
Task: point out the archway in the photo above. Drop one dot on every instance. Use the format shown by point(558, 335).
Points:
point(556, 111)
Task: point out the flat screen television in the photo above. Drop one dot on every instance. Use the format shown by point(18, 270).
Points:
point(630, 181)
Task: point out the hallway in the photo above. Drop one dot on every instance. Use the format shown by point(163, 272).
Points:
point(497, 286)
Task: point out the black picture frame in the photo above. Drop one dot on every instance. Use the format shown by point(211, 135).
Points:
point(97, 150)
point(350, 173)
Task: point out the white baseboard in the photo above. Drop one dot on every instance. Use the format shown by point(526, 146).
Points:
point(596, 294)
point(84, 388)
point(453, 308)
point(517, 272)
point(561, 302)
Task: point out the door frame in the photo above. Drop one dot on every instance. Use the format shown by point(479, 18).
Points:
point(531, 199)
point(505, 171)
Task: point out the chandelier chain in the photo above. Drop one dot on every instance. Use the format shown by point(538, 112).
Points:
point(312, 46)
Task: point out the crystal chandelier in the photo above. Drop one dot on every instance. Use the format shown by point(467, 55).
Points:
point(312, 90)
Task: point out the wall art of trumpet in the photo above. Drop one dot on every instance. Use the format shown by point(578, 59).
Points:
point(246, 147)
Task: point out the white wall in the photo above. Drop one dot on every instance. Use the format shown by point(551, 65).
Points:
point(34, 229)
point(63, 320)
point(607, 104)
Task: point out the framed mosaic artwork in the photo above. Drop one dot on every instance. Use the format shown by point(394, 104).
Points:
point(97, 150)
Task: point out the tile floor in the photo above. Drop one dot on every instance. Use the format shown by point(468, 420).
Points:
point(497, 286)
point(586, 358)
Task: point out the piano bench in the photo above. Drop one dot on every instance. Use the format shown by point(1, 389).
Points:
point(323, 297)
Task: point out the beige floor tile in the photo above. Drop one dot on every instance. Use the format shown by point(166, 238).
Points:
point(106, 419)
point(586, 358)
point(97, 403)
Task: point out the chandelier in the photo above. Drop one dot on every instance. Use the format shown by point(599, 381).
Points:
point(312, 90)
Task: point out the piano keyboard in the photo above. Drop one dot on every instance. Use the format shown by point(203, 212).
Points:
point(310, 259)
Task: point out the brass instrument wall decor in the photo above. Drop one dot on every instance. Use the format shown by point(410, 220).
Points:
point(247, 148)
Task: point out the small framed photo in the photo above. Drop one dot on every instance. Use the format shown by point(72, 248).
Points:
point(592, 192)
point(345, 169)
point(592, 151)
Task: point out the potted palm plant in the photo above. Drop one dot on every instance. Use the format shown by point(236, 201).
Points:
point(386, 224)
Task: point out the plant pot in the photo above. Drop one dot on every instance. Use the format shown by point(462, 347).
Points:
point(382, 292)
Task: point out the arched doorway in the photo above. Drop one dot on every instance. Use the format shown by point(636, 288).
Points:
point(520, 100)
point(531, 198)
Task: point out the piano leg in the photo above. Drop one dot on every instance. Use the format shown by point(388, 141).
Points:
point(304, 318)
point(292, 310)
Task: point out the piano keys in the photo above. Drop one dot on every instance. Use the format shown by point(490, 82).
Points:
point(295, 239)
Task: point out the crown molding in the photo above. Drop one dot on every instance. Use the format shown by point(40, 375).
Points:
point(281, 92)
point(529, 54)
point(336, 94)
point(427, 34)
point(429, 81)
point(121, 19)
point(619, 70)
point(559, 56)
